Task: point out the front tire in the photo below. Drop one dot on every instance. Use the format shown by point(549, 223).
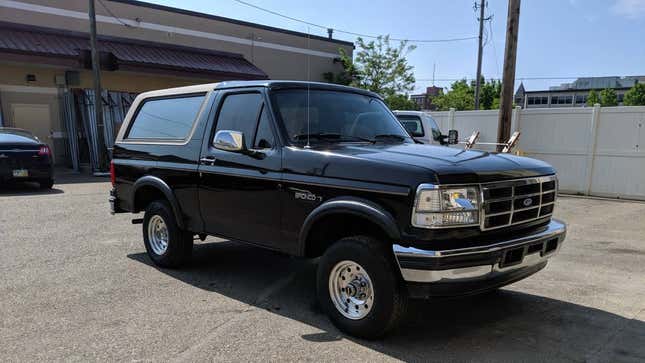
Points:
point(167, 244)
point(360, 288)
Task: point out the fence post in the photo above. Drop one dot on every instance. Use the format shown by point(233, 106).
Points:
point(451, 119)
point(515, 124)
point(515, 118)
point(591, 152)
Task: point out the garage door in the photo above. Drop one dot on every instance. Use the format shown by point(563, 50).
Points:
point(35, 118)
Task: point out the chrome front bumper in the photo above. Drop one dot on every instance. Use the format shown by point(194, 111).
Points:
point(516, 258)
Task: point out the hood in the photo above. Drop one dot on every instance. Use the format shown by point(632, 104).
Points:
point(450, 165)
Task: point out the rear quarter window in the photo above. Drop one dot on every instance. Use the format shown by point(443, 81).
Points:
point(168, 118)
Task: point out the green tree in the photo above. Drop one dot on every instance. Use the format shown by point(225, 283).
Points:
point(592, 98)
point(636, 95)
point(460, 97)
point(489, 94)
point(608, 97)
point(377, 66)
point(347, 75)
point(401, 102)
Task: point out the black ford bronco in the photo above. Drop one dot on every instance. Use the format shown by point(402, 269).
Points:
point(324, 171)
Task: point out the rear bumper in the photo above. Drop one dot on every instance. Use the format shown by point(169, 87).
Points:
point(475, 269)
point(34, 173)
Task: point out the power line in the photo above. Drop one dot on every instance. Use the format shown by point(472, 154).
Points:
point(350, 32)
point(492, 39)
point(112, 14)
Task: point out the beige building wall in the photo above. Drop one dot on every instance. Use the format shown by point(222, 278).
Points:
point(16, 90)
point(281, 54)
point(14, 74)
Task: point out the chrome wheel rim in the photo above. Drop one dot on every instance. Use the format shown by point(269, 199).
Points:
point(351, 290)
point(158, 235)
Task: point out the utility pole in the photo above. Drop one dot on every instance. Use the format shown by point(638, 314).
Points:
point(508, 78)
point(482, 5)
point(96, 67)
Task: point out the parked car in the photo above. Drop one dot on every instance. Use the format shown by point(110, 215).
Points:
point(421, 126)
point(326, 171)
point(24, 158)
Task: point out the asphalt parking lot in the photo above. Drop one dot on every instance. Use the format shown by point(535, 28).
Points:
point(76, 286)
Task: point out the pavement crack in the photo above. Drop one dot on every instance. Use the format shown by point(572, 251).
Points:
point(199, 346)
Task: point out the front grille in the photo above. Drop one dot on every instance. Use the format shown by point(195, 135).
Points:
point(517, 201)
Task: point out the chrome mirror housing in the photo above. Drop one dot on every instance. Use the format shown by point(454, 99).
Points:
point(229, 140)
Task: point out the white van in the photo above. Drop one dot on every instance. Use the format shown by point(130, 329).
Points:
point(421, 126)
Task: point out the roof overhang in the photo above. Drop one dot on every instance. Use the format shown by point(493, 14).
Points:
point(19, 43)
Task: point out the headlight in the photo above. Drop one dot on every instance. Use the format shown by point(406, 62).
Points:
point(436, 206)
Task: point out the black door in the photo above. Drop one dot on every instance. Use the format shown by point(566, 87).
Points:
point(239, 195)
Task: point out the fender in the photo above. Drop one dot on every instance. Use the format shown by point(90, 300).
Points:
point(158, 183)
point(352, 205)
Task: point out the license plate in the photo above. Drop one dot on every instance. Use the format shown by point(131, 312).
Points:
point(20, 173)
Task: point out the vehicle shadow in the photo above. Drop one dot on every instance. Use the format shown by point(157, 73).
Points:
point(500, 326)
point(26, 188)
point(68, 176)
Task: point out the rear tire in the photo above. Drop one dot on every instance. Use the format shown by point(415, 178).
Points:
point(46, 183)
point(167, 244)
point(360, 288)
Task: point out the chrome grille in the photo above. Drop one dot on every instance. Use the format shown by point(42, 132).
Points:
point(517, 201)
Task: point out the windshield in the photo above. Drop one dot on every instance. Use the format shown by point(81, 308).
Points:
point(10, 135)
point(19, 132)
point(336, 117)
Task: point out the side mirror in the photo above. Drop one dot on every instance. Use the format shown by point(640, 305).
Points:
point(228, 140)
point(453, 137)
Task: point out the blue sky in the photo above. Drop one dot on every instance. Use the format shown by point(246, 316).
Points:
point(557, 38)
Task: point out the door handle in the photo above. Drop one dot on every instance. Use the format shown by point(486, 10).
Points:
point(208, 160)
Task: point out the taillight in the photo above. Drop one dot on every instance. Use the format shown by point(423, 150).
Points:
point(112, 173)
point(44, 150)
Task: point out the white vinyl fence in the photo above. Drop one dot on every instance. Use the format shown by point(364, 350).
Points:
point(596, 151)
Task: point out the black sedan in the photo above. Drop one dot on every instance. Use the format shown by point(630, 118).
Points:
point(24, 158)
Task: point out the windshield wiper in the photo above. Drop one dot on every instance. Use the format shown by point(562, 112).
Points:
point(317, 135)
point(390, 136)
point(357, 138)
point(331, 136)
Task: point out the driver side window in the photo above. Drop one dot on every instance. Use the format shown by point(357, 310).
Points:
point(240, 112)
